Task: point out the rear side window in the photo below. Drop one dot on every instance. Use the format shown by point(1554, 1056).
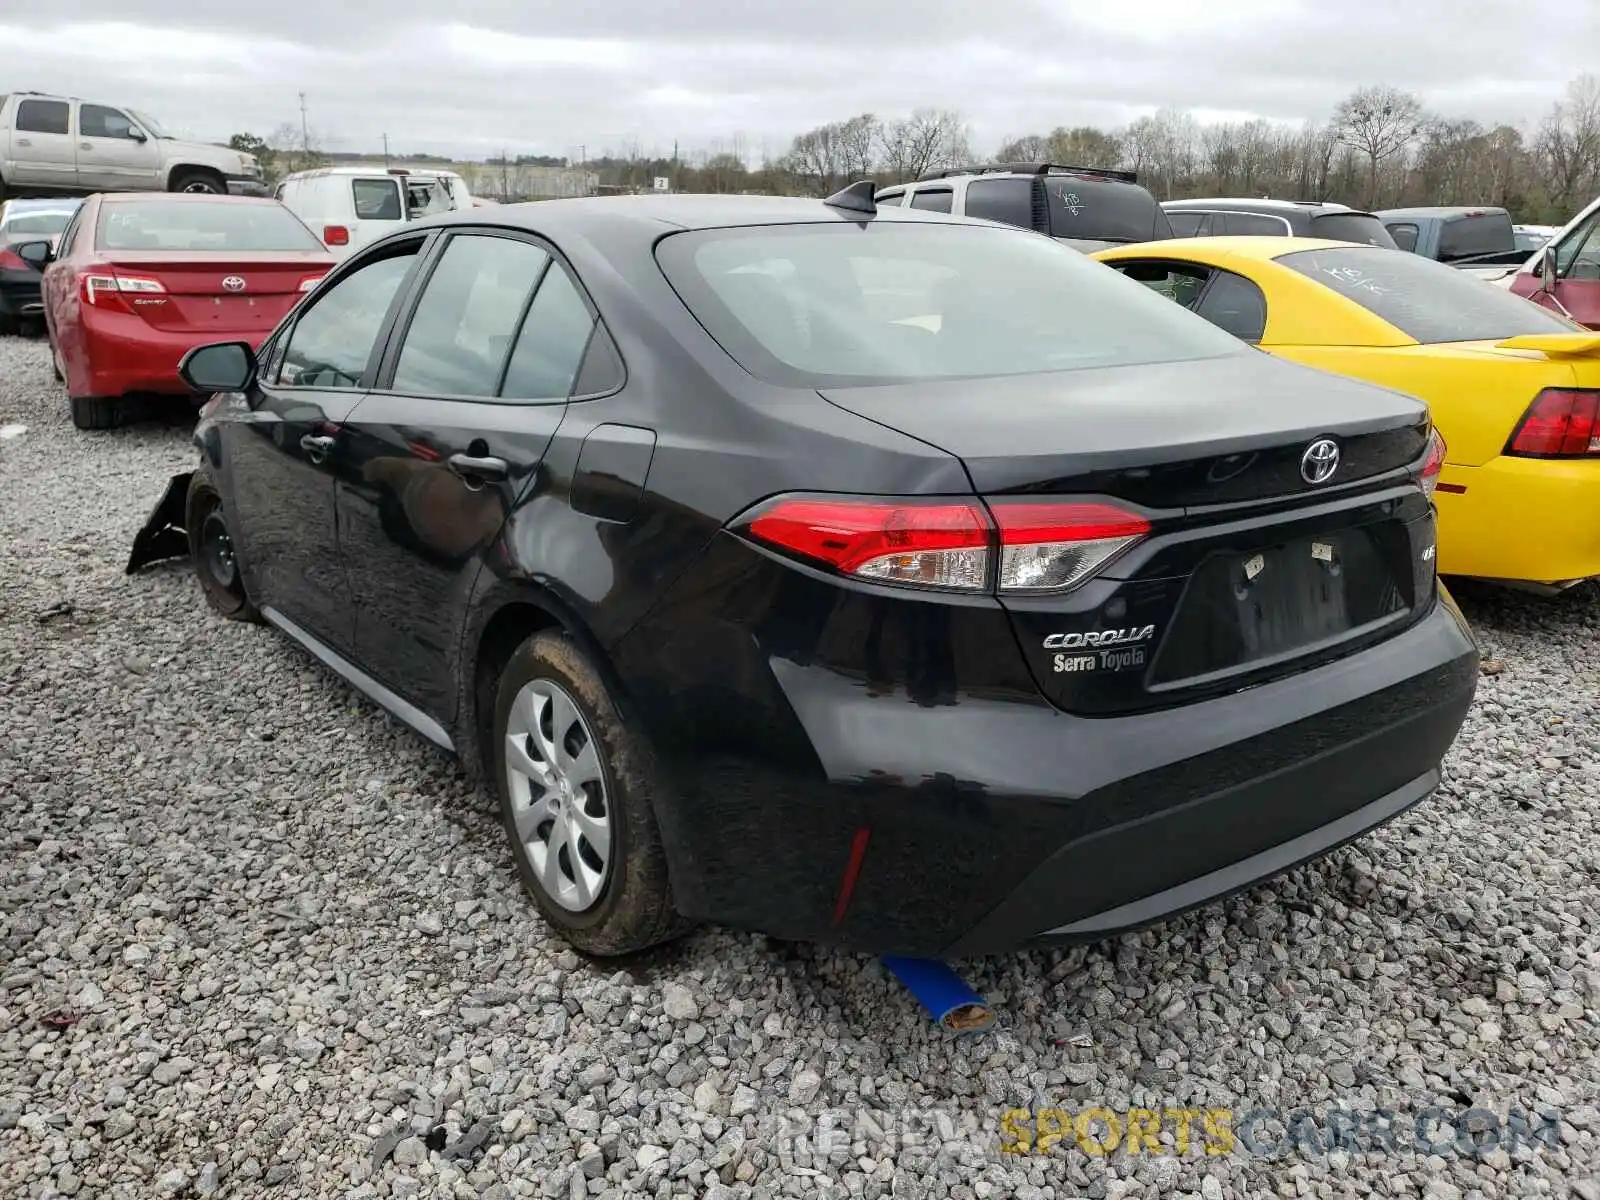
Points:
point(1405, 236)
point(42, 116)
point(1186, 224)
point(1363, 229)
point(1425, 300)
point(331, 342)
point(1009, 200)
point(1481, 233)
point(1235, 304)
point(1255, 224)
point(1100, 210)
point(460, 335)
point(834, 305)
point(217, 225)
point(939, 201)
point(552, 342)
point(892, 198)
point(377, 199)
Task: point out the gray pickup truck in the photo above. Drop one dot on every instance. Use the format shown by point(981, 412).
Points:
point(63, 146)
point(1481, 240)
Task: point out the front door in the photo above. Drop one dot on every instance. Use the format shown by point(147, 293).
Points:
point(1576, 293)
point(114, 153)
point(469, 399)
point(284, 457)
point(43, 151)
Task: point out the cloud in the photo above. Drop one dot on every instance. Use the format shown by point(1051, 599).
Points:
point(478, 76)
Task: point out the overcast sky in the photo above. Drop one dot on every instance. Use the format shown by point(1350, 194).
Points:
point(542, 76)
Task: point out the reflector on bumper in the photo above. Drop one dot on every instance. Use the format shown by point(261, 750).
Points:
point(164, 534)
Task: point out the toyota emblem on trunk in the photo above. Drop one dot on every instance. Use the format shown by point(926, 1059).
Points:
point(1320, 461)
point(235, 284)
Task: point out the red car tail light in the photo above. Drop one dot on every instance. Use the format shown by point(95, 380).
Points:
point(1054, 546)
point(10, 260)
point(1433, 464)
point(950, 545)
point(1560, 423)
point(941, 544)
point(106, 291)
point(335, 235)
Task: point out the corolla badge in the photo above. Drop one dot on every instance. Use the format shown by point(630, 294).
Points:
point(233, 283)
point(1320, 461)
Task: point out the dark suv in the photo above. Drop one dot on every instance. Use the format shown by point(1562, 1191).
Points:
point(1089, 208)
point(1276, 218)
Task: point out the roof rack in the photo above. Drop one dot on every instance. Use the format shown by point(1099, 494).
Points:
point(1029, 168)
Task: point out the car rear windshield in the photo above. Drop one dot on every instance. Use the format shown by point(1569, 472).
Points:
point(1425, 300)
point(1361, 228)
point(39, 221)
point(1476, 234)
point(897, 301)
point(228, 225)
point(1097, 210)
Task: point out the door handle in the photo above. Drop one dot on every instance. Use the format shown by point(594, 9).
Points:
point(85, 146)
point(24, 141)
point(316, 445)
point(481, 469)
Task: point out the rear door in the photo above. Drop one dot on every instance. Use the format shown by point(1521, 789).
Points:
point(43, 152)
point(474, 384)
point(377, 204)
point(114, 153)
point(281, 460)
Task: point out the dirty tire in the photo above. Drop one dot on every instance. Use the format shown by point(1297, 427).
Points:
point(199, 181)
point(634, 910)
point(96, 412)
point(224, 590)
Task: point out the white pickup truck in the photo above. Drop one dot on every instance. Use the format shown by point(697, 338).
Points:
point(63, 146)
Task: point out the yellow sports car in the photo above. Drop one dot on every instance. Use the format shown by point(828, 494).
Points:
point(1513, 388)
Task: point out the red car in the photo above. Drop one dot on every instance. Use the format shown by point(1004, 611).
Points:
point(1573, 286)
point(141, 278)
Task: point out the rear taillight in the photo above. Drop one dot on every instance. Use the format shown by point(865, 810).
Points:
point(103, 290)
point(1433, 464)
point(310, 282)
point(10, 260)
point(1008, 546)
point(335, 235)
point(1560, 423)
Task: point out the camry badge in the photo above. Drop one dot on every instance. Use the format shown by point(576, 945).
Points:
point(1320, 461)
point(233, 283)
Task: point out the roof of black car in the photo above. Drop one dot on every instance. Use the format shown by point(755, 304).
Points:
point(651, 215)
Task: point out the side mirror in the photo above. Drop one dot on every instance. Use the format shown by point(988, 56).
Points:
point(38, 255)
point(1547, 269)
point(138, 135)
point(219, 367)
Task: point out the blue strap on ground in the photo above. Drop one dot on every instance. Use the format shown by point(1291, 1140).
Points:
point(952, 1004)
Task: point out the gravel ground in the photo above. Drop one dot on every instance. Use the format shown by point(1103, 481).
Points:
point(256, 938)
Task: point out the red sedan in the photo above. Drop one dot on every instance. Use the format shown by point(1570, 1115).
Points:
point(141, 278)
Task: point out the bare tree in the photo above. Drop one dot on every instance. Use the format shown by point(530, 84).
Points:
point(858, 140)
point(926, 139)
point(1568, 143)
point(1032, 148)
point(1378, 122)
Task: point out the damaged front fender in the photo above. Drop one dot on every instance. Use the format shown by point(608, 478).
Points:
point(165, 534)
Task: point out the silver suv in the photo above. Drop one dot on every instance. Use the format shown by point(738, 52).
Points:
point(1089, 208)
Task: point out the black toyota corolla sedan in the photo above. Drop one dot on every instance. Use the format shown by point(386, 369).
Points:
point(877, 577)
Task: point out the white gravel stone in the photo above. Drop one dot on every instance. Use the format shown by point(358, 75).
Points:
point(240, 857)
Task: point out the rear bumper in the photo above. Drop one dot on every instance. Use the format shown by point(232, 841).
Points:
point(1486, 530)
point(979, 826)
point(20, 295)
point(124, 353)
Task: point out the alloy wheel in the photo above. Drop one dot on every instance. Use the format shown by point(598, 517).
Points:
point(558, 794)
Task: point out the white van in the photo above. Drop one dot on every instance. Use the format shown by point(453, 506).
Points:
point(347, 207)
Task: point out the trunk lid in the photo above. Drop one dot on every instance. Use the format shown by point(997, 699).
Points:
point(1248, 571)
point(218, 293)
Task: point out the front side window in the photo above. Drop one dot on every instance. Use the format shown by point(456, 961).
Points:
point(1425, 300)
point(43, 116)
point(333, 339)
point(939, 201)
point(376, 199)
point(96, 120)
point(826, 305)
point(461, 333)
point(1578, 256)
point(231, 226)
